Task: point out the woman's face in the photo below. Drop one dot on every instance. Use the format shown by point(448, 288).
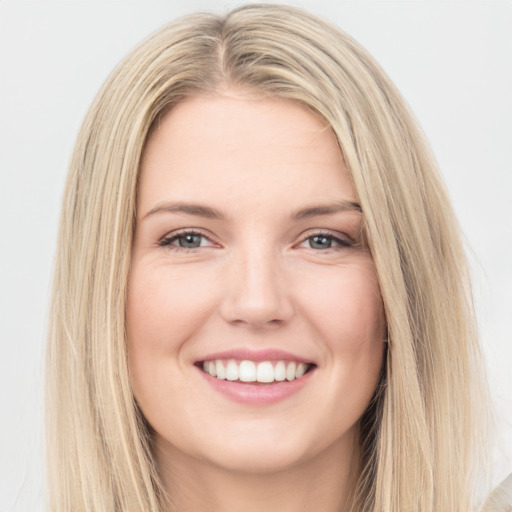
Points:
point(249, 262)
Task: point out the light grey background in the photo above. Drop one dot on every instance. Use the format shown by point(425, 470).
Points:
point(451, 60)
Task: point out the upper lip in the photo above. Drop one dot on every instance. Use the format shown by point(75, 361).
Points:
point(255, 355)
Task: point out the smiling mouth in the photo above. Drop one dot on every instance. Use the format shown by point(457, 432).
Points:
point(263, 372)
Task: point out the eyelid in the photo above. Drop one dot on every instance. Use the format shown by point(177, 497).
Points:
point(166, 240)
point(343, 239)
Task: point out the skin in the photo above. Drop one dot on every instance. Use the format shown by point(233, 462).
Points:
point(258, 280)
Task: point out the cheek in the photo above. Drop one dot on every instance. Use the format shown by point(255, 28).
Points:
point(164, 307)
point(163, 310)
point(348, 317)
point(348, 310)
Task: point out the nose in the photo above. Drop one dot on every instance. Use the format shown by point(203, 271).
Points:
point(256, 294)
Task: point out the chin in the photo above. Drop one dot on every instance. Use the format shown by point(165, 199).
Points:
point(265, 448)
point(258, 459)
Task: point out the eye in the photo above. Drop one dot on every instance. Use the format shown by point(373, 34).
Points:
point(324, 241)
point(320, 242)
point(185, 240)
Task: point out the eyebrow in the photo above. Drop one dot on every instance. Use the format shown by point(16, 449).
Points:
point(212, 213)
point(188, 208)
point(326, 209)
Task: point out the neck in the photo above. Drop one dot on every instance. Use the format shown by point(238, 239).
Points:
point(324, 482)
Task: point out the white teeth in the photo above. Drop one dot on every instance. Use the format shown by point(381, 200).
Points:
point(300, 371)
point(221, 371)
point(265, 372)
point(247, 371)
point(280, 371)
point(250, 371)
point(232, 370)
point(290, 371)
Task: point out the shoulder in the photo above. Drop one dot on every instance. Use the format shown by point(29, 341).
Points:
point(500, 499)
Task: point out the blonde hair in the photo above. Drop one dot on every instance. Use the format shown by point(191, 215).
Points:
point(420, 434)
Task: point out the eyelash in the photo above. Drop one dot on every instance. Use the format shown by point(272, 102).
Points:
point(169, 239)
point(340, 243)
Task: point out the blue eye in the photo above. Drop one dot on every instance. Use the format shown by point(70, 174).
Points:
point(190, 241)
point(320, 242)
point(184, 240)
point(324, 241)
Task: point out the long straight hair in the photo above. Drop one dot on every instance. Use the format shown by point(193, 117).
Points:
point(421, 433)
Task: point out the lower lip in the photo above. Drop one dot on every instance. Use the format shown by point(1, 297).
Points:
point(257, 394)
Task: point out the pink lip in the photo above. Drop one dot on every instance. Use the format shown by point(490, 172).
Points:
point(255, 355)
point(256, 394)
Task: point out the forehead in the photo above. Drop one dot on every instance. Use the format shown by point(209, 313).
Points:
point(242, 147)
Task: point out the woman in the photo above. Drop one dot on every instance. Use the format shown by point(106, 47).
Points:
point(261, 299)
